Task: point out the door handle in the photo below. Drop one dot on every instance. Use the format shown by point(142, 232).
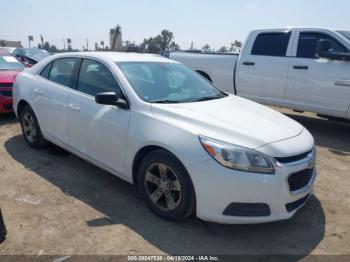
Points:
point(302, 67)
point(249, 63)
point(38, 91)
point(74, 107)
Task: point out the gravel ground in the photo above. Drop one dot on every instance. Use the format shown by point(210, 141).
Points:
point(56, 203)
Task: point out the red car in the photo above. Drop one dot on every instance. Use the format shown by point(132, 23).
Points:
point(9, 68)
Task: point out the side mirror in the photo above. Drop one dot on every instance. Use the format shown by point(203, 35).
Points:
point(322, 48)
point(111, 98)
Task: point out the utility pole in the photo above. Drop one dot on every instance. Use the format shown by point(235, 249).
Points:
point(87, 44)
point(69, 44)
point(42, 41)
point(64, 44)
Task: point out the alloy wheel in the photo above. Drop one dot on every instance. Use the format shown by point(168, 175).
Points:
point(163, 186)
point(29, 129)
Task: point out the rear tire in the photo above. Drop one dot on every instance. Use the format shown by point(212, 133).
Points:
point(166, 186)
point(31, 129)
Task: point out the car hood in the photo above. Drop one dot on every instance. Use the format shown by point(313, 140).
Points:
point(231, 119)
point(8, 76)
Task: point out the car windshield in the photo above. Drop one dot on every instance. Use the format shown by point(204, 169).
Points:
point(157, 82)
point(35, 54)
point(10, 63)
point(345, 34)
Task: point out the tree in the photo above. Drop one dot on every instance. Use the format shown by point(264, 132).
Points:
point(53, 49)
point(236, 46)
point(223, 49)
point(161, 43)
point(166, 39)
point(206, 48)
point(174, 47)
point(47, 46)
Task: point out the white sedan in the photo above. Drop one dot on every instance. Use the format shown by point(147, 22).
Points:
point(187, 146)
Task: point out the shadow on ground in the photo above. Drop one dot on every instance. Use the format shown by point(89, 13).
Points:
point(330, 134)
point(120, 204)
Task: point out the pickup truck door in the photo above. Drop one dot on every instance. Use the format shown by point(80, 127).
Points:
point(318, 85)
point(262, 67)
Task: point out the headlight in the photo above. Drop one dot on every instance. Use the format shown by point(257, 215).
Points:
point(237, 157)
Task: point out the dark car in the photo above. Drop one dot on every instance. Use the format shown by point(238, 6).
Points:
point(30, 56)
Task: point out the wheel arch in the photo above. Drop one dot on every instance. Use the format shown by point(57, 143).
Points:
point(21, 104)
point(141, 154)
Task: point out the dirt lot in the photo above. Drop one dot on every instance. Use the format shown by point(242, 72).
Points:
point(56, 203)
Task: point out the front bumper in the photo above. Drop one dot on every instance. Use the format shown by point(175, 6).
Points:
point(217, 187)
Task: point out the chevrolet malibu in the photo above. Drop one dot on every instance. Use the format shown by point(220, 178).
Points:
point(188, 147)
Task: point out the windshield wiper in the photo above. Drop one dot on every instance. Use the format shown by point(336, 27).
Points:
point(207, 98)
point(165, 101)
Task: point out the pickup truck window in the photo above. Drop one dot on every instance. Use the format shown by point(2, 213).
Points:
point(271, 44)
point(307, 44)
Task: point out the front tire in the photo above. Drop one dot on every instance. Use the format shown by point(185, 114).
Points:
point(166, 186)
point(31, 129)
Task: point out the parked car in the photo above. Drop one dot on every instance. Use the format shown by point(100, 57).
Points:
point(9, 68)
point(187, 146)
point(305, 69)
point(7, 49)
point(30, 56)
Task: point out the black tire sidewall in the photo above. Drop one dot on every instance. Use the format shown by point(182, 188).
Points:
point(187, 203)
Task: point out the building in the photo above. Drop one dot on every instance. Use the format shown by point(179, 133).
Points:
point(115, 39)
point(6, 43)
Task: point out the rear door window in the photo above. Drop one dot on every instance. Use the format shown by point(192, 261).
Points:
point(271, 44)
point(62, 71)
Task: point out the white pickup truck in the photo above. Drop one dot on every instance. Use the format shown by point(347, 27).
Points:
point(305, 69)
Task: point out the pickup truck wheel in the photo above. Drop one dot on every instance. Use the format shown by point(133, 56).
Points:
point(165, 186)
point(30, 128)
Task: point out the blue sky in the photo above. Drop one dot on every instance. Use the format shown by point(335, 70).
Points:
point(217, 22)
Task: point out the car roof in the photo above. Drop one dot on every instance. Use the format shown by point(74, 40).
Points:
point(299, 28)
point(119, 56)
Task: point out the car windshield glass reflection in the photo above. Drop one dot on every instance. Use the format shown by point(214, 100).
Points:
point(10, 63)
point(35, 54)
point(157, 82)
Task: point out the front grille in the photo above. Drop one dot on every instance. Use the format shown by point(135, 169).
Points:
point(6, 85)
point(286, 160)
point(294, 205)
point(7, 93)
point(300, 179)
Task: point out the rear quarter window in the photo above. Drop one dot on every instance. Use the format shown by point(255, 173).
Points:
point(46, 71)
